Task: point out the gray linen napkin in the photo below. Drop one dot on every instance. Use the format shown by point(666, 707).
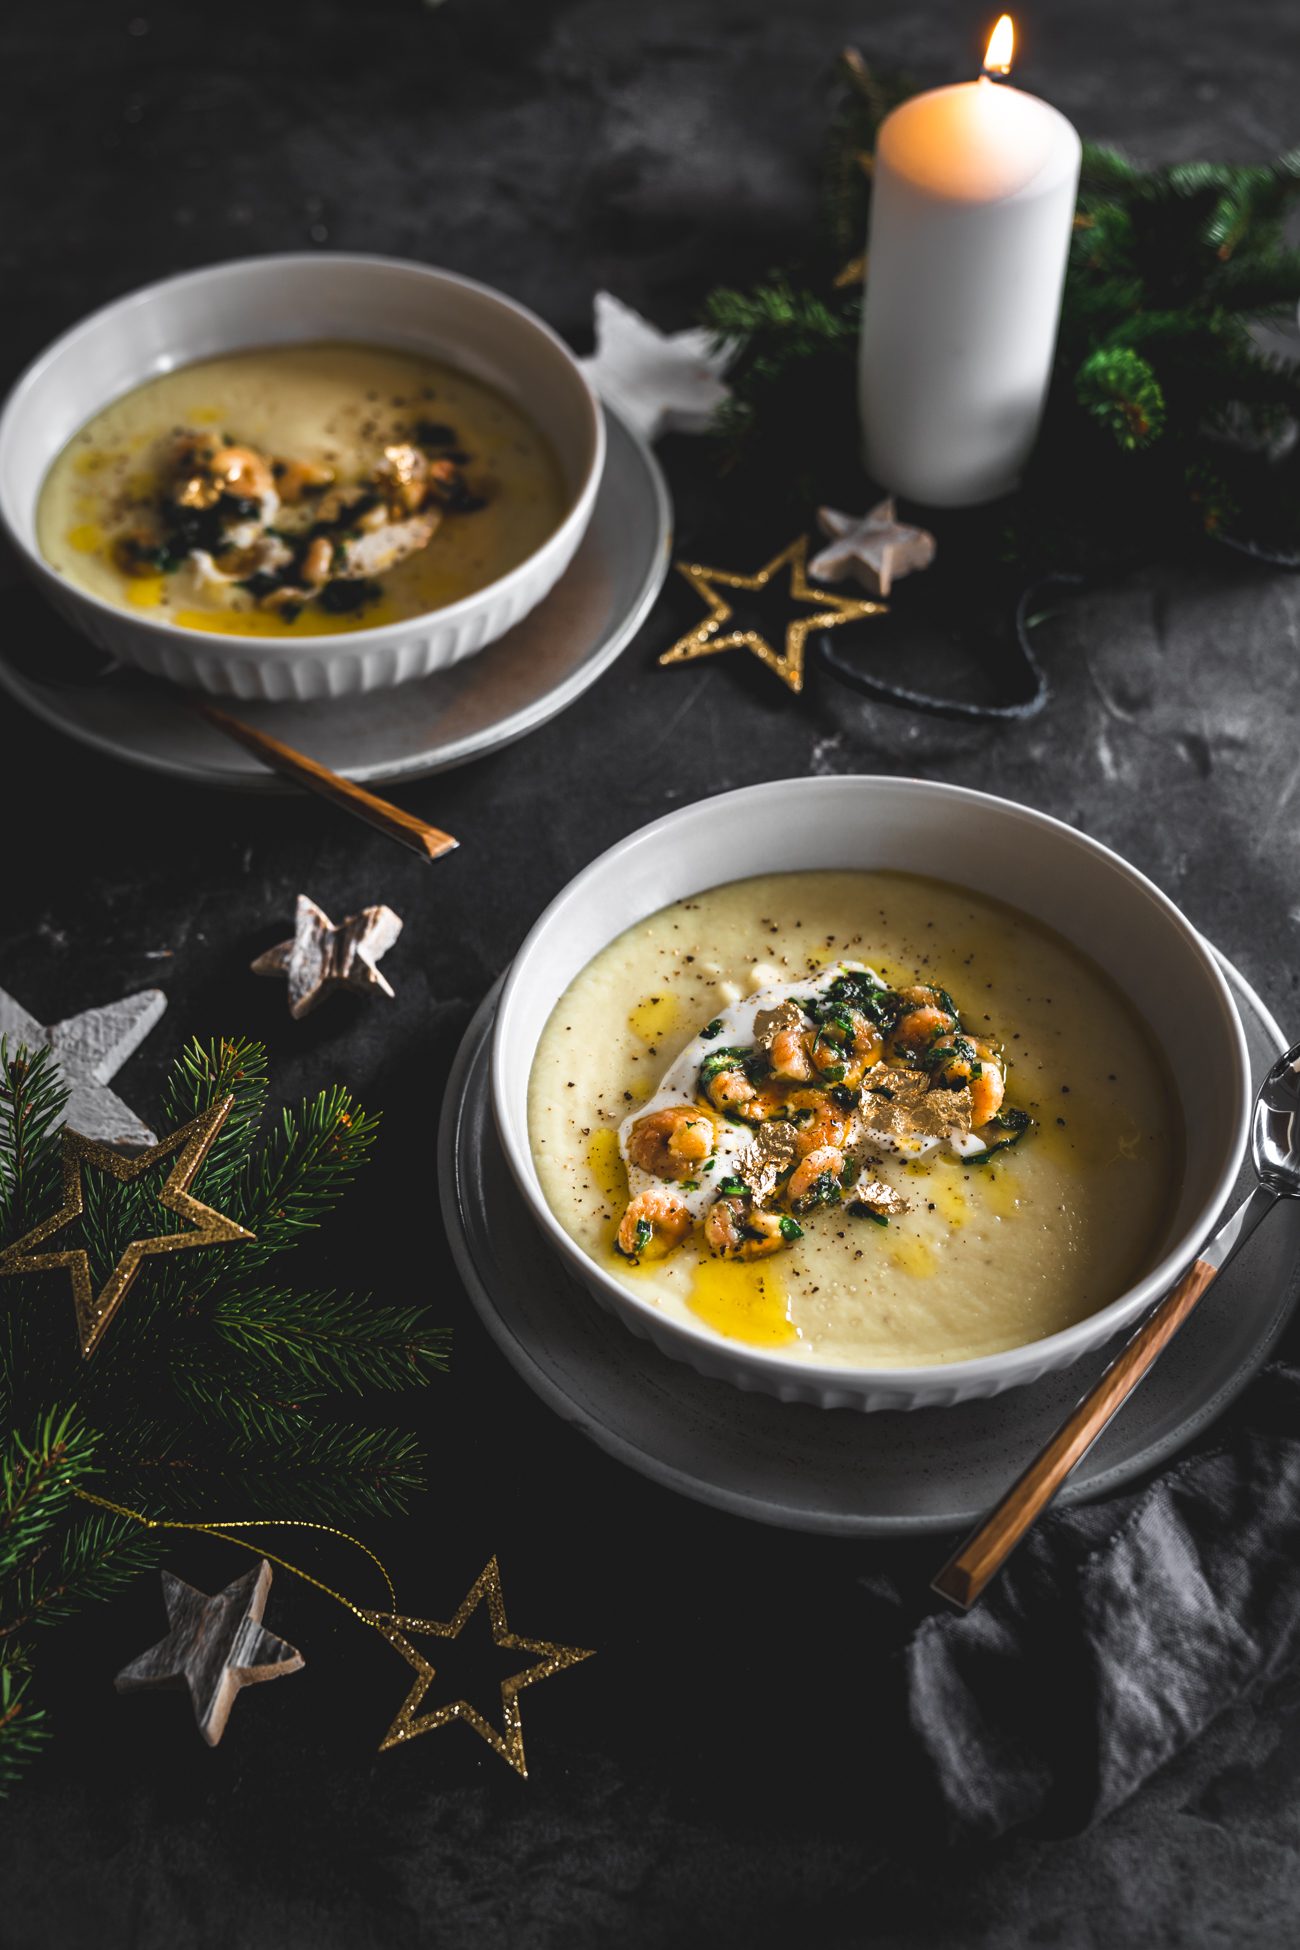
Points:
point(1118, 1632)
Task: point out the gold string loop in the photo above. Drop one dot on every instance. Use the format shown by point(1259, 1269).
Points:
point(226, 1528)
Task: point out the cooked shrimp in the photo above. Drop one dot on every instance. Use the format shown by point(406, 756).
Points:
point(296, 478)
point(847, 1043)
point(738, 1231)
point(961, 1058)
point(788, 1055)
point(827, 1159)
point(653, 1224)
point(245, 472)
point(817, 1121)
point(671, 1143)
point(926, 1016)
point(731, 1092)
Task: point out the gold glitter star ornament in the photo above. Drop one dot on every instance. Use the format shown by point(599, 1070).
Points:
point(788, 663)
point(507, 1741)
point(209, 1228)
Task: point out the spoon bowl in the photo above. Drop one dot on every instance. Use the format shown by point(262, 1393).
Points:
point(1275, 1128)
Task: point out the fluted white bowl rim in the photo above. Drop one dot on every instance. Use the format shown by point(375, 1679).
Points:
point(941, 1383)
point(339, 644)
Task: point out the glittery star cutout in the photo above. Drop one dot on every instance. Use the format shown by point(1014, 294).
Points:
point(705, 640)
point(410, 1721)
point(95, 1310)
point(321, 958)
point(215, 1646)
point(875, 549)
point(660, 382)
point(91, 1048)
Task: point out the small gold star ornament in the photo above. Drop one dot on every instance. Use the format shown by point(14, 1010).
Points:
point(507, 1741)
point(210, 1228)
point(788, 663)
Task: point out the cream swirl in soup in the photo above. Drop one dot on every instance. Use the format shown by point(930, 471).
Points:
point(868, 1118)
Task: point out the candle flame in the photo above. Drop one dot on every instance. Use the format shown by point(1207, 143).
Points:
point(1001, 47)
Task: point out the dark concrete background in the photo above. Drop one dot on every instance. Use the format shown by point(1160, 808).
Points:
point(730, 1769)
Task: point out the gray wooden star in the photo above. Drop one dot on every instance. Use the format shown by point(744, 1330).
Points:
point(91, 1048)
point(321, 958)
point(874, 550)
point(215, 1646)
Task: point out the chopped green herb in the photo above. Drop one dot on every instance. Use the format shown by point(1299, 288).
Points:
point(733, 1188)
point(712, 1029)
point(790, 1228)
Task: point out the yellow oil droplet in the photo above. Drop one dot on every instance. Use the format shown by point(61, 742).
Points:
point(140, 487)
point(267, 622)
point(743, 1301)
point(145, 592)
point(655, 1018)
point(605, 1163)
point(948, 1198)
point(205, 416)
point(1000, 1191)
point(915, 1256)
point(87, 538)
point(91, 461)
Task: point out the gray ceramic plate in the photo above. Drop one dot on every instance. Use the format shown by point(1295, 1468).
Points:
point(437, 722)
point(830, 1470)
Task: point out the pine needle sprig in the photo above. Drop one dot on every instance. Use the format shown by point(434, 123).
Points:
point(293, 1181)
point(275, 1460)
point(336, 1341)
point(100, 1556)
point(33, 1100)
point(205, 1396)
point(23, 1731)
point(37, 1475)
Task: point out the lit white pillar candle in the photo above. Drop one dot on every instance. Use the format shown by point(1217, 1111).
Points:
point(971, 209)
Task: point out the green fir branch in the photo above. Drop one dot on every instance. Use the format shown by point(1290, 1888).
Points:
point(334, 1340)
point(23, 1731)
point(37, 1475)
point(33, 1101)
point(274, 1461)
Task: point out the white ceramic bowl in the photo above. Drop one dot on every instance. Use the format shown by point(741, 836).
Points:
point(1047, 870)
point(274, 301)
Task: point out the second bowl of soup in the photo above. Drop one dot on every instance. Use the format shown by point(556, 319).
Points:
point(896, 1112)
point(301, 477)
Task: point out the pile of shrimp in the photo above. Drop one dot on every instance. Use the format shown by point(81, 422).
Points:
point(812, 1070)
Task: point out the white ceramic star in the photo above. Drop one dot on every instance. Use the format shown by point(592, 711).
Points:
point(874, 549)
point(90, 1049)
point(660, 382)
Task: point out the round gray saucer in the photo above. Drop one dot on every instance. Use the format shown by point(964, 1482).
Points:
point(409, 731)
point(831, 1470)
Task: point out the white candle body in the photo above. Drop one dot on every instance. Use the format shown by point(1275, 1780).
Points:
point(971, 211)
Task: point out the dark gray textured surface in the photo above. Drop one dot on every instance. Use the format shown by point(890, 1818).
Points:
point(728, 1769)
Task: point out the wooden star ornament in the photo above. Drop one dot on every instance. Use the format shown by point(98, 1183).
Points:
point(508, 1741)
point(214, 1647)
point(320, 958)
point(710, 636)
point(208, 1227)
point(875, 549)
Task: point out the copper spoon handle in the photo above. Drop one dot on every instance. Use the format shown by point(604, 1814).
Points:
point(988, 1547)
point(428, 841)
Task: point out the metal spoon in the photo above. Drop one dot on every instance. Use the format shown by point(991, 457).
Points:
point(1275, 1147)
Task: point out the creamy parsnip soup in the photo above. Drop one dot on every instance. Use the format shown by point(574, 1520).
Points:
point(862, 1117)
point(297, 490)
